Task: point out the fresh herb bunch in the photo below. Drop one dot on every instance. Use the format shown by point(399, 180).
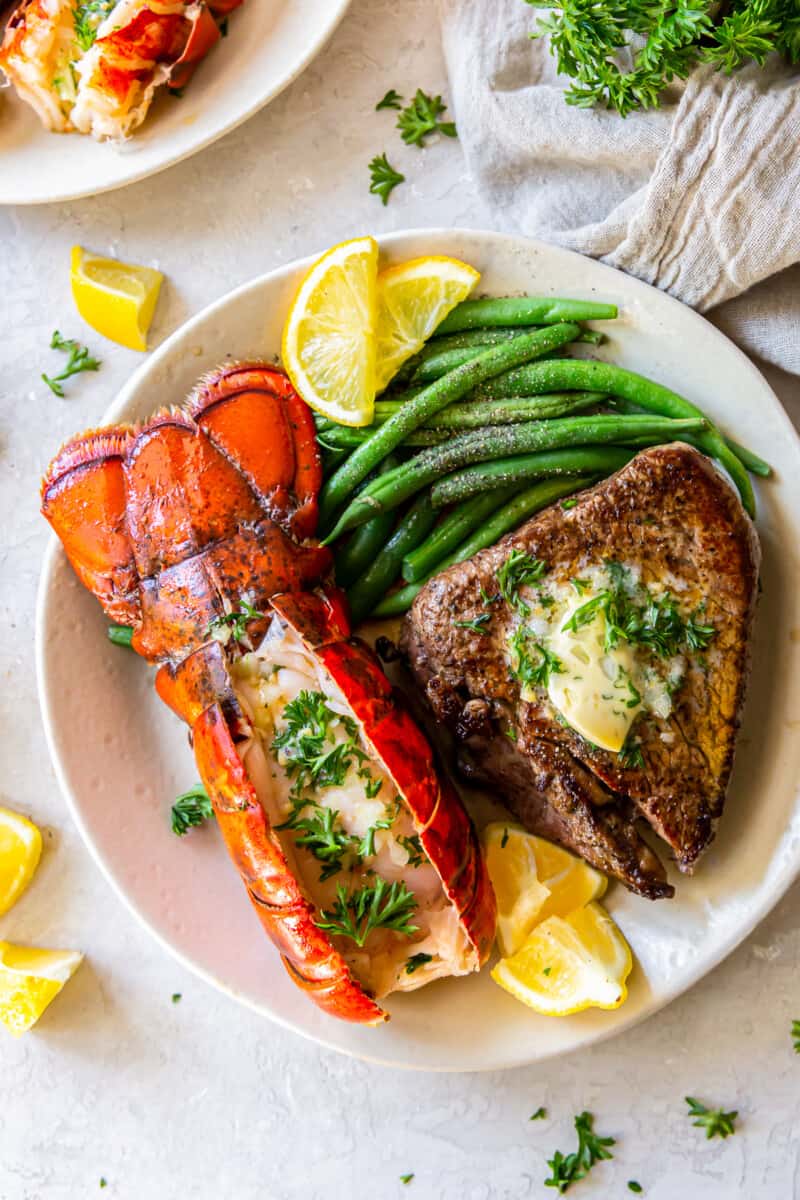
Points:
point(661, 40)
point(568, 1169)
point(190, 809)
point(715, 1122)
point(79, 360)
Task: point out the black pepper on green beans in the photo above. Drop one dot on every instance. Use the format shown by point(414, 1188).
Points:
point(523, 310)
point(452, 387)
point(521, 468)
point(451, 531)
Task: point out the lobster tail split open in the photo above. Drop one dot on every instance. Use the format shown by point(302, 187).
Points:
point(195, 529)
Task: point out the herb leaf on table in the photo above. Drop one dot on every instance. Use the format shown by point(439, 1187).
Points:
point(568, 1169)
point(190, 809)
point(715, 1122)
point(421, 117)
point(79, 360)
point(383, 177)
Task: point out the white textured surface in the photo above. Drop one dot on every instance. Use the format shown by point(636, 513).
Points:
point(202, 1098)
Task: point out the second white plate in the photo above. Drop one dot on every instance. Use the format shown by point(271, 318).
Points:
point(269, 43)
point(121, 756)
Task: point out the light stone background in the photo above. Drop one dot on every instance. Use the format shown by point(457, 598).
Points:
point(204, 1099)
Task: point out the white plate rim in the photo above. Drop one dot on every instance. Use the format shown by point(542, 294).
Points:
point(756, 913)
point(313, 48)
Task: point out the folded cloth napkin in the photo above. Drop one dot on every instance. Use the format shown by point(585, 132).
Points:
point(700, 197)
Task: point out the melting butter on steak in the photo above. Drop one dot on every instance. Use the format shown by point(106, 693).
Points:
point(670, 534)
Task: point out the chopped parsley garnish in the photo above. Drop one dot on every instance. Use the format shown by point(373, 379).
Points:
point(539, 1115)
point(87, 17)
point(517, 571)
point(392, 99)
point(232, 626)
point(190, 809)
point(407, 1178)
point(79, 360)
point(421, 117)
point(416, 961)
point(636, 616)
point(796, 1036)
point(486, 598)
point(373, 906)
point(306, 747)
point(582, 586)
point(103, 1181)
point(630, 755)
point(383, 177)
point(715, 1122)
point(530, 671)
point(634, 1186)
point(366, 847)
point(546, 970)
point(318, 833)
point(568, 1169)
point(568, 504)
point(177, 997)
point(477, 624)
point(413, 848)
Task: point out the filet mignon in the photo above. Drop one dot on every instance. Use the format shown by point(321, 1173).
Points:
point(676, 526)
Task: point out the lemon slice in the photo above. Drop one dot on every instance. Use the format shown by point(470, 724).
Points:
point(29, 980)
point(328, 344)
point(511, 863)
point(20, 850)
point(117, 299)
point(414, 297)
point(570, 881)
point(568, 964)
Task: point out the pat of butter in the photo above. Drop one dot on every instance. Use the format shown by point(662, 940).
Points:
point(596, 692)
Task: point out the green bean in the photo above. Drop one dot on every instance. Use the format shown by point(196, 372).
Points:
point(507, 472)
point(748, 459)
point(346, 436)
point(433, 362)
point(501, 441)
point(120, 635)
point(508, 517)
point(382, 572)
point(589, 373)
point(523, 310)
point(471, 415)
point(355, 556)
point(451, 532)
point(492, 337)
point(427, 402)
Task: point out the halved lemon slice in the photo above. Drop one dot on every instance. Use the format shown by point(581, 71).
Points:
point(20, 851)
point(568, 964)
point(329, 337)
point(117, 299)
point(511, 863)
point(30, 979)
point(414, 297)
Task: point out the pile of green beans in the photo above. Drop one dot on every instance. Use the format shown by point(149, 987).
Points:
point(484, 427)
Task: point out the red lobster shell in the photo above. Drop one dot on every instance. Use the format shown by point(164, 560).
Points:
point(174, 524)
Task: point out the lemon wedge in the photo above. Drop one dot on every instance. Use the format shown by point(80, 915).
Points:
point(30, 979)
point(570, 881)
point(328, 346)
point(117, 299)
point(568, 964)
point(414, 297)
point(20, 851)
point(511, 863)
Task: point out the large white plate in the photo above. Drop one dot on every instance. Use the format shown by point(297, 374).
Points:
point(120, 756)
point(269, 43)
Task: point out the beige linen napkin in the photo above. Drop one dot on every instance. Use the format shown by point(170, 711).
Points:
point(700, 197)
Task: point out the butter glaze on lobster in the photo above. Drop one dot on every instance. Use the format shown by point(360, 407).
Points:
point(184, 521)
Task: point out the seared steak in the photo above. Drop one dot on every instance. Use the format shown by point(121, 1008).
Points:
point(675, 528)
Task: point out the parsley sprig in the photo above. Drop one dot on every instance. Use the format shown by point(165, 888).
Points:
point(476, 624)
point(232, 626)
point(665, 43)
point(420, 118)
point(190, 809)
point(532, 662)
point(87, 18)
point(383, 177)
point(519, 570)
point(568, 1169)
point(307, 747)
point(392, 99)
point(715, 1122)
point(79, 360)
point(796, 1036)
point(372, 906)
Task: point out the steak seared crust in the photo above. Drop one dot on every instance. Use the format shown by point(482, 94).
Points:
point(670, 513)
